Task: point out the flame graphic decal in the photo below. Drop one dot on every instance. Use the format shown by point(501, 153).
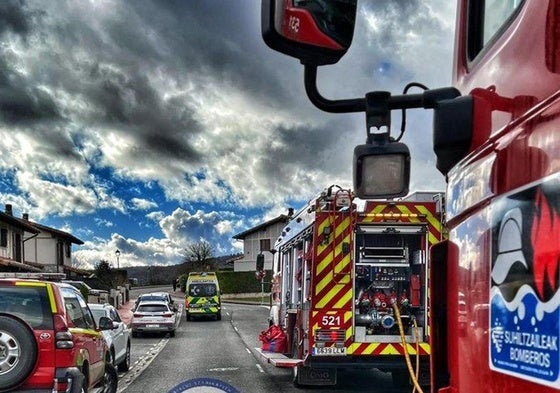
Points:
point(545, 237)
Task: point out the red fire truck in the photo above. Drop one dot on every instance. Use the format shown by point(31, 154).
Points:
point(340, 269)
point(495, 303)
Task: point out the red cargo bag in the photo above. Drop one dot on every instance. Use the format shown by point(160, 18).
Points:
point(273, 339)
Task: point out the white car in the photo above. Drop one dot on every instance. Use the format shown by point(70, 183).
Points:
point(118, 338)
point(154, 316)
point(154, 296)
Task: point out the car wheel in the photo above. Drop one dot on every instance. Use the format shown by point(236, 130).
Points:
point(219, 316)
point(85, 382)
point(18, 352)
point(172, 333)
point(112, 357)
point(188, 316)
point(134, 334)
point(110, 379)
point(125, 364)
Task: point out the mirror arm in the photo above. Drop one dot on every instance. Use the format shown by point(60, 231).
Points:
point(331, 106)
point(427, 99)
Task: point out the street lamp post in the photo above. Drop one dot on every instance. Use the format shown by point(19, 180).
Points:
point(118, 254)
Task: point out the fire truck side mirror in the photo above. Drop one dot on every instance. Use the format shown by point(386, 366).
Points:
point(316, 33)
point(260, 262)
point(453, 130)
point(381, 171)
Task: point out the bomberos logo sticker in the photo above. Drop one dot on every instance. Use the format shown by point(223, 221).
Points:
point(524, 297)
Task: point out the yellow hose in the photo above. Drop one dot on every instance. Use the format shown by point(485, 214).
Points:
point(413, 375)
point(417, 339)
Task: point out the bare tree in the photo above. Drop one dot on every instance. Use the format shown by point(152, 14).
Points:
point(199, 254)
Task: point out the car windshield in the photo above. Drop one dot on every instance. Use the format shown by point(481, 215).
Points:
point(202, 289)
point(97, 314)
point(153, 297)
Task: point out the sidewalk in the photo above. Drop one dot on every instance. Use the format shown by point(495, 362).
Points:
point(125, 312)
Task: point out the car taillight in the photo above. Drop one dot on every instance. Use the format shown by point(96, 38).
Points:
point(60, 386)
point(168, 315)
point(137, 315)
point(63, 337)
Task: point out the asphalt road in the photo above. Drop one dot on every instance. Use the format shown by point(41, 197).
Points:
point(225, 350)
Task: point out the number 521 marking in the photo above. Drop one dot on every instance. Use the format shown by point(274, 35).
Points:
point(331, 320)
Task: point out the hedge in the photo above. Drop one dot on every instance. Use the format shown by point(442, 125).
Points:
point(236, 282)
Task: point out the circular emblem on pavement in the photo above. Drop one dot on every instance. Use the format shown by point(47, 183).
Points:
point(204, 385)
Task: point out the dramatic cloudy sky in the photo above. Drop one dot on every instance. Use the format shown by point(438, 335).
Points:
point(146, 125)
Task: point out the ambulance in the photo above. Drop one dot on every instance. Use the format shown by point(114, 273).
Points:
point(202, 295)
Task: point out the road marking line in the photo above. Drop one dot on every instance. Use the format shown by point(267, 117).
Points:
point(224, 369)
point(260, 368)
point(248, 350)
point(141, 364)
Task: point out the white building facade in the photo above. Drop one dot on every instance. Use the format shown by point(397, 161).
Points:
point(259, 239)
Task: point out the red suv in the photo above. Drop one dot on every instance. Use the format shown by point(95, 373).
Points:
point(49, 341)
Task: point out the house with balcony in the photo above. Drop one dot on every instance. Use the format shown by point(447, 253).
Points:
point(13, 234)
point(259, 239)
point(50, 248)
point(27, 246)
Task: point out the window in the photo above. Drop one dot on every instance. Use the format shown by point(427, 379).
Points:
point(114, 315)
point(75, 312)
point(30, 304)
point(59, 254)
point(487, 19)
point(68, 249)
point(265, 244)
point(202, 289)
point(3, 237)
point(97, 314)
point(77, 309)
point(153, 308)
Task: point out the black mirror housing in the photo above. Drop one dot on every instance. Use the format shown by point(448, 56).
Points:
point(315, 34)
point(381, 170)
point(453, 131)
point(105, 323)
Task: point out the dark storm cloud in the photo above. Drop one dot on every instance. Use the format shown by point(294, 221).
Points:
point(222, 41)
point(13, 18)
point(20, 102)
point(104, 64)
point(310, 148)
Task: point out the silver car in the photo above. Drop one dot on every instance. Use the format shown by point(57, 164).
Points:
point(153, 316)
point(118, 339)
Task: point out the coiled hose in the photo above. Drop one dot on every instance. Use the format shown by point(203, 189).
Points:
point(413, 375)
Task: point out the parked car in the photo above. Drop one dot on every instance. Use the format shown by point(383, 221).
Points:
point(49, 340)
point(118, 338)
point(154, 316)
point(158, 296)
point(82, 285)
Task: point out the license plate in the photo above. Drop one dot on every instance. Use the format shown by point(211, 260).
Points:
point(152, 326)
point(329, 351)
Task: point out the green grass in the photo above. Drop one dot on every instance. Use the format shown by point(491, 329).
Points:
point(253, 299)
